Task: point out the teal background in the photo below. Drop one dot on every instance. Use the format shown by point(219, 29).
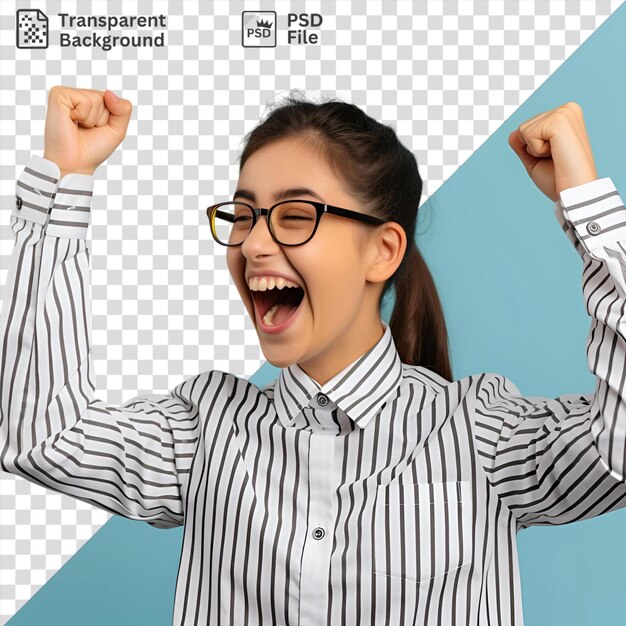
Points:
point(510, 283)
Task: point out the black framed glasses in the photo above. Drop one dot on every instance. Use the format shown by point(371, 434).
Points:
point(290, 222)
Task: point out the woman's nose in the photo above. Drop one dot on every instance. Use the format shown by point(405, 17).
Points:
point(259, 238)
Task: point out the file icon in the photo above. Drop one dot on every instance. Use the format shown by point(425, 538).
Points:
point(31, 28)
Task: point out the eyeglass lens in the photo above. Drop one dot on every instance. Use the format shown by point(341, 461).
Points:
point(291, 222)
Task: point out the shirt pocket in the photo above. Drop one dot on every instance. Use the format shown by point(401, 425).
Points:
point(422, 530)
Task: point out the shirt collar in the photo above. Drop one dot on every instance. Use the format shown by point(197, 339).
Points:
point(359, 390)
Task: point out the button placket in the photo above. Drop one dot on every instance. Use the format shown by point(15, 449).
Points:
point(317, 549)
point(318, 533)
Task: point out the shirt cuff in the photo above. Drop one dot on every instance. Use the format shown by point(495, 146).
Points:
point(35, 190)
point(62, 206)
point(595, 213)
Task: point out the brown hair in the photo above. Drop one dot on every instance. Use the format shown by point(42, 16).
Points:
point(383, 175)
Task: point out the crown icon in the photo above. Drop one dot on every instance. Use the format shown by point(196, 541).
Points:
point(262, 24)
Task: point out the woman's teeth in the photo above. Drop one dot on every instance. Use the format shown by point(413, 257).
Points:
point(269, 316)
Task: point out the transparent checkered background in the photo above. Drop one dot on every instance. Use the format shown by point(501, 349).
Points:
point(446, 74)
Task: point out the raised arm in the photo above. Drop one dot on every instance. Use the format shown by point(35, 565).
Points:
point(558, 460)
point(132, 460)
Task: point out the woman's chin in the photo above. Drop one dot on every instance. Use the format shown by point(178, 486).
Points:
point(280, 361)
point(280, 354)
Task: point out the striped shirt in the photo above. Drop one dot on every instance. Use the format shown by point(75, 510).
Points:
point(386, 496)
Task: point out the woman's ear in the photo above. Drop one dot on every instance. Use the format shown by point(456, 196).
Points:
point(385, 250)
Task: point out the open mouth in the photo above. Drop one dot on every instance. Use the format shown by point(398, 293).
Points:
point(274, 306)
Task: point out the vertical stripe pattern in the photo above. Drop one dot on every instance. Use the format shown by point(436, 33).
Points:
point(386, 496)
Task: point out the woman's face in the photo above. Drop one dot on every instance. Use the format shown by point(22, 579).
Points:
point(337, 319)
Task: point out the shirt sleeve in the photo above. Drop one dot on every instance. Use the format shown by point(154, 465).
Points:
point(132, 460)
point(563, 459)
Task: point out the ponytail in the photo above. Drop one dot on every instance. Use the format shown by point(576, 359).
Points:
point(417, 322)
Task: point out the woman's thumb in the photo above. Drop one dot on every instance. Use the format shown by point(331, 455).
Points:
point(120, 109)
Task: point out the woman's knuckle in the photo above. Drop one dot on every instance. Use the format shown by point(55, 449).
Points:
point(571, 108)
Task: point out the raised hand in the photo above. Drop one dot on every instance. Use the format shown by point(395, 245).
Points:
point(83, 127)
point(555, 150)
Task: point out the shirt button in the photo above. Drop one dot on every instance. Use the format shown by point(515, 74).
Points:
point(318, 533)
point(322, 400)
point(18, 203)
point(593, 228)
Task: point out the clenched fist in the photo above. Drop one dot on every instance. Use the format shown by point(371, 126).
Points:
point(555, 150)
point(83, 127)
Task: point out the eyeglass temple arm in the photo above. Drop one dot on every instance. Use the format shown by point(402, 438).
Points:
point(353, 214)
point(227, 216)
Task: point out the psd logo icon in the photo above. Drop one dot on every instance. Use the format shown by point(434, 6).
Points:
point(258, 29)
point(31, 28)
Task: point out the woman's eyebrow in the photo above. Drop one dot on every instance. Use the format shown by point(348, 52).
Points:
point(283, 194)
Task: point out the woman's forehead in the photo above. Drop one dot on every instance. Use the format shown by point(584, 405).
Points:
point(285, 159)
point(291, 164)
point(273, 184)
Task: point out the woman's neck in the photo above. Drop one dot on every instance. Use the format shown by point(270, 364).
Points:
point(352, 345)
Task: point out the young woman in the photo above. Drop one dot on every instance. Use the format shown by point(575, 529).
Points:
point(364, 485)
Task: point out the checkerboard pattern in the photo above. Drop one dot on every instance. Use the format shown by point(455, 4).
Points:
point(445, 73)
